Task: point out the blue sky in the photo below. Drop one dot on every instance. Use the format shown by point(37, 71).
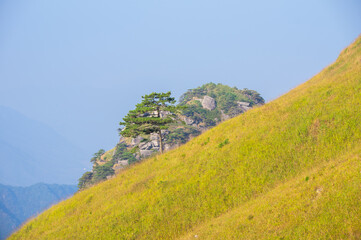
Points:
point(80, 66)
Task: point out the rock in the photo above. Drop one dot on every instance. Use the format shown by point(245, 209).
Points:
point(164, 113)
point(245, 109)
point(145, 153)
point(136, 141)
point(188, 120)
point(154, 136)
point(145, 146)
point(243, 104)
point(208, 103)
point(155, 143)
point(224, 116)
point(117, 167)
point(123, 162)
point(167, 147)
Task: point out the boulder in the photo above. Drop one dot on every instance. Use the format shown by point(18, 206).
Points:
point(245, 109)
point(224, 116)
point(145, 146)
point(155, 143)
point(243, 104)
point(208, 103)
point(167, 147)
point(154, 136)
point(145, 153)
point(118, 167)
point(136, 141)
point(188, 120)
point(123, 162)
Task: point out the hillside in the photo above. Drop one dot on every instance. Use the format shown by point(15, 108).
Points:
point(17, 204)
point(32, 152)
point(202, 108)
point(288, 169)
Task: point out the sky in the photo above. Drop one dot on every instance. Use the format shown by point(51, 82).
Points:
point(80, 65)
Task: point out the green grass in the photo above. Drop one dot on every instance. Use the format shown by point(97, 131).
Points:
point(251, 187)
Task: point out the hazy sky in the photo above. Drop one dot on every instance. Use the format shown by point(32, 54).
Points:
point(80, 66)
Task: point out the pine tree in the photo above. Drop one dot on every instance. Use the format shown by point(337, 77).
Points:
point(152, 115)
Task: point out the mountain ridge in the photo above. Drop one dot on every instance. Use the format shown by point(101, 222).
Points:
point(17, 204)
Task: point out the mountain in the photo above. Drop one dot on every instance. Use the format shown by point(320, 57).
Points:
point(289, 169)
point(32, 152)
point(202, 108)
point(17, 204)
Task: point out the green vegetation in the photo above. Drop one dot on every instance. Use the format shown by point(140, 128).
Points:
point(122, 153)
point(251, 188)
point(181, 135)
point(85, 180)
point(97, 174)
point(152, 115)
point(96, 157)
point(102, 172)
point(225, 142)
point(199, 114)
point(225, 96)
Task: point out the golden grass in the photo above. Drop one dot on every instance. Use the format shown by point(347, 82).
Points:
point(254, 184)
point(322, 203)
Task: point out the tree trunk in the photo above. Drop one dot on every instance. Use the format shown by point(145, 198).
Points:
point(160, 134)
point(160, 141)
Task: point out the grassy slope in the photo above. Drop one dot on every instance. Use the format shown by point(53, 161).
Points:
point(323, 203)
point(313, 131)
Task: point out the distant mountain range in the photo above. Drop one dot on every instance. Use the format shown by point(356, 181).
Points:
point(17, 204)
point(32, 152)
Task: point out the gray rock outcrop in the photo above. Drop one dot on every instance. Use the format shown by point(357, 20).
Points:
point(136, 141)
point(146, 153)
point(208, 103)
point(245, 106)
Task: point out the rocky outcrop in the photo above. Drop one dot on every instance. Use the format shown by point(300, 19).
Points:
point(245, 106)
point(146, 153)
point(197, 120)
point(187, 120)
point(150, 145)
point(200, 112)
point(224, 116)
point(208, 103)
point(136, 141)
